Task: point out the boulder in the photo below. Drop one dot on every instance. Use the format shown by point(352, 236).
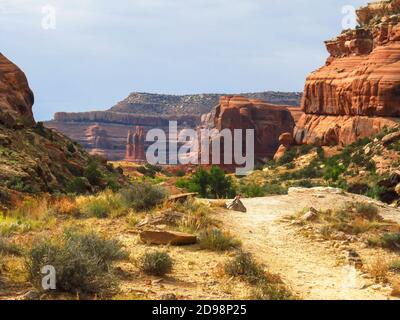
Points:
point(286, 139)
point(168, 217)
point(280, 153)
point(397, 189)
point(167, 238)
point(310, 215)
point(391, 138)
point(236, 205)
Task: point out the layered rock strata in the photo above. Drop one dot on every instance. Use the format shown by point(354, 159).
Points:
point(357, 92)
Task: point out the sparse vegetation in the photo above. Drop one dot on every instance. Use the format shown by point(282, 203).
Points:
point(266, 286)
point(83, 262)
point(143, 196)
point(354, 218)
point(217, 240)
point(156, 263)
point(213, 184)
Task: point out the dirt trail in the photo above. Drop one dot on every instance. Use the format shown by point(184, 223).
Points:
point(312, 269)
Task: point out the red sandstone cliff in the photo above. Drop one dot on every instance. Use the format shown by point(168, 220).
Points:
point(357, 92)
point(269, 121)
point(16, 98)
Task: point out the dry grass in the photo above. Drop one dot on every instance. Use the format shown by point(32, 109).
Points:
point(395, 288)
point(379, 268)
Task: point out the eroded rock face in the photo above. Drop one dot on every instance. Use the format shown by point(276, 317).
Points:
point(269, 121)
point(338, 130)
point(16, 98)
point(361, 79)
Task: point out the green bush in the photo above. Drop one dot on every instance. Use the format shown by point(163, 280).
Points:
point(143, 196)
point(96, 207)
point(212, 184)
point(274, 189)
point(216, 240)
point(83, 262)
point(93, 173)
point(251, 190)
point(288, 157)
point(391, 241)
point(78, 185)
point(155, 263)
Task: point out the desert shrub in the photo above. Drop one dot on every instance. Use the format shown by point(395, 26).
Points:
point(391, 241)
point(78, 185)
point(196, 216)
point(9, 248)
point(182, 183)
point(274, 189)
point(288, 157)
point(83, 262)
point(274, 292)
point(149, 170)
point(155, 263)
point(105, 204)
point(251, 190)
point(267, 286)
point(143, 196)
point(333, 170)
point(379, 268)
point(220, 184)
point(244, 266)
point(93, 173)
point(366, 210)
point(395, 266)
point(212, 184)
point(95, 207)
point(217, 240)
point(66, 206)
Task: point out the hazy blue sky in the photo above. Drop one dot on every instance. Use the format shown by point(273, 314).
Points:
point(102, 50)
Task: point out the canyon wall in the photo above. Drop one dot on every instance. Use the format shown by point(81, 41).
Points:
point(105, 132)
point(357, 92)
point(267, 120)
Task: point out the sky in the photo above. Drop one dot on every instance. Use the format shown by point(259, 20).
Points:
point(84, 55)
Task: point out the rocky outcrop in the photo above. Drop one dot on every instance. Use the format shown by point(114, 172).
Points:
point(286, 141)
point(135, 150)
point(197, 104)
point(268, 121)
point(105, 132)
point(16, 98)
point(34, 159)
point(168, 238)
point(357, 92)
point(339, 130)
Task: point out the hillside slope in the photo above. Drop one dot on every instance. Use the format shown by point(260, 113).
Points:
point(34, 159)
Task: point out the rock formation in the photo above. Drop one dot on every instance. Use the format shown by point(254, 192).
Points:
point(16, 98)
point(105, 132)
point(269, 122)
point(357, 92)
point(35, 159)
point(135, 150)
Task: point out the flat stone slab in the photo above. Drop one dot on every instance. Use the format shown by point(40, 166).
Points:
point(168, 237)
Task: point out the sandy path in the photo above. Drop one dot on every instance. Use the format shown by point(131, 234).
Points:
point(310, 268)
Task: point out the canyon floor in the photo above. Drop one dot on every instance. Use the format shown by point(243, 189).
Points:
point(313, 269)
